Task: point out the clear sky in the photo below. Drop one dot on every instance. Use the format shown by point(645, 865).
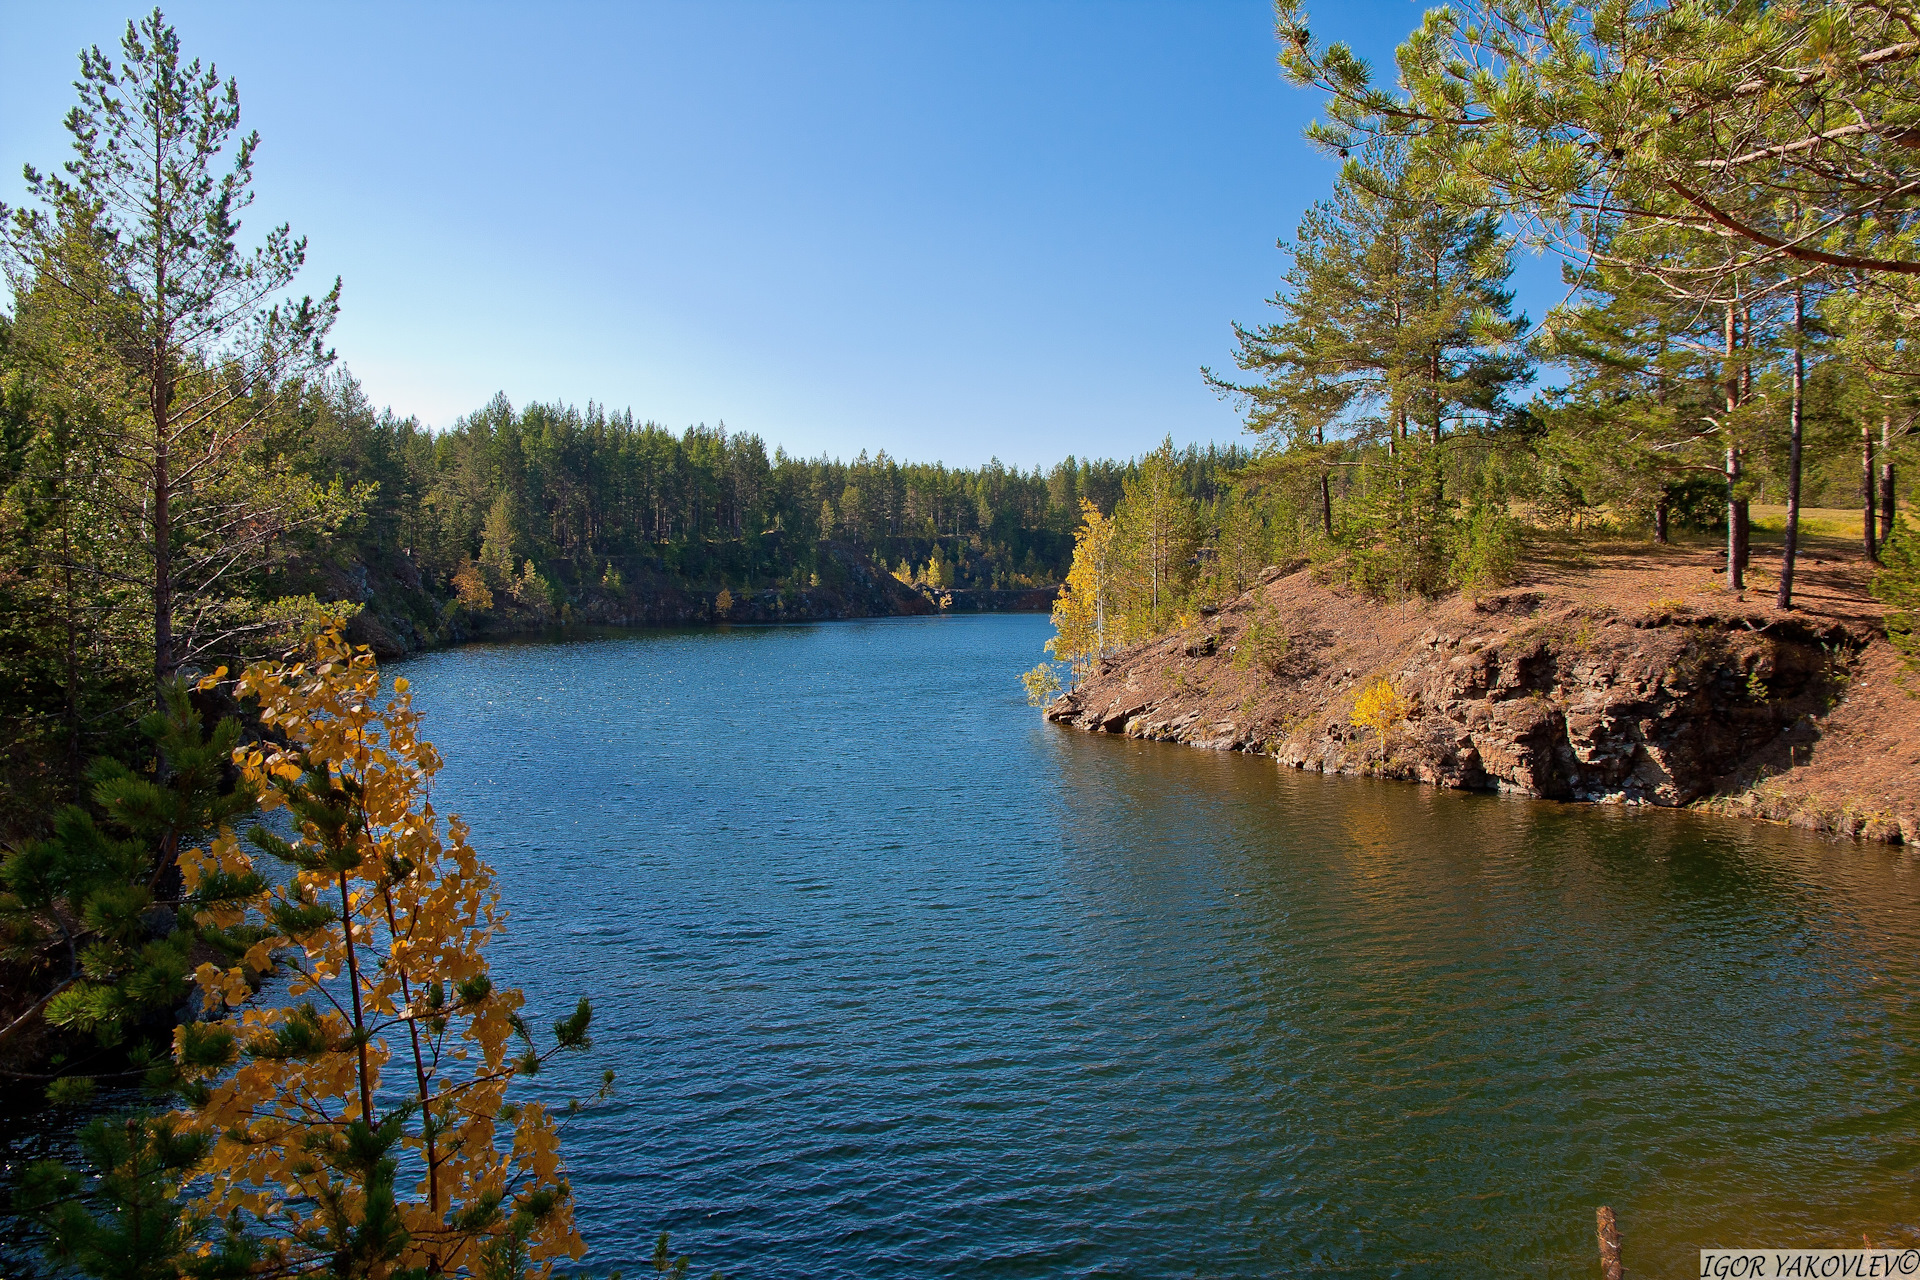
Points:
point(951, 231)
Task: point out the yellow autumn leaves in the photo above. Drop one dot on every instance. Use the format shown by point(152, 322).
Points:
point(363, 1112)
point(1381, 708)
point(1080, 611)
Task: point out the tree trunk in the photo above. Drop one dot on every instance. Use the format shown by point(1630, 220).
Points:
point(70, 610)
point(1869, 541)
point(1886, 479)
point(1736, 523)
point(1326, 487)
point(1743, 540)
point(160, 386)
point(1746, 365)
point(1790, 545)
point(1660, 520)
point(1736, 505)
point(1434, 373)
point(1886, 502)
point(163, 661)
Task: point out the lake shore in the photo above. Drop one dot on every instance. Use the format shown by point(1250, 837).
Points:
point(1614, 673)
point(401, 613)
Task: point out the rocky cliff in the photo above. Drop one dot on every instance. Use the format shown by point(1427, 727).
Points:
point(1635, 683)
point(399, 613)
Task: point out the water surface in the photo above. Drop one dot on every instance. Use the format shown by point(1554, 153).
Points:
point(901, 981)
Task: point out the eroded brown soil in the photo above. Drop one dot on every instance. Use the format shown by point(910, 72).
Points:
point(1621, 673)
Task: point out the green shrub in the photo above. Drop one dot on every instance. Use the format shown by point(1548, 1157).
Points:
point(1399, 525)
point(1486, 548)
point(1699, 504)
point(1042, 683)
point(1897, 586)
point(1265, 642)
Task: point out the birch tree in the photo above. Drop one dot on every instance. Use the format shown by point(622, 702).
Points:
point(1080, 611)
point(364, 1122)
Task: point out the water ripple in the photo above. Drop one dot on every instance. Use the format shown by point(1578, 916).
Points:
point(899, 981)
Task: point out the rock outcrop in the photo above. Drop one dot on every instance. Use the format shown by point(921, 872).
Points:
point(400, 614)
point(1535, 691)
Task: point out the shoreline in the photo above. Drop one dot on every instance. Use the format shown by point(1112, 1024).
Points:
point(399, 614)
point(1626, 679)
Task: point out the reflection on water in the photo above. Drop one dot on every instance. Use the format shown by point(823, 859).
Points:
point(901, 981)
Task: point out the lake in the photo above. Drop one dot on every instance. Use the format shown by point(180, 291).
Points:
point(900, 980)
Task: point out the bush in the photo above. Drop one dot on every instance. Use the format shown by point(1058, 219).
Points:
point(1698, 504)
point(1265, 643)
point(1897, 586)
point(1380, 707)
point(1486, 548)
point(1042, 683)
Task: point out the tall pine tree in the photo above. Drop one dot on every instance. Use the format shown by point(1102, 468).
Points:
point(135, 288)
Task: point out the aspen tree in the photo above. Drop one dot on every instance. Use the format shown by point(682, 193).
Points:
point(1080, 611)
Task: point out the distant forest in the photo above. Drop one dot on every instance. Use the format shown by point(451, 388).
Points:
point(585, 494)
point(295, 500)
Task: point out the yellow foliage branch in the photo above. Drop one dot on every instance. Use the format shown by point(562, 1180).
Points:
point(384, 927)
point(1381, 708)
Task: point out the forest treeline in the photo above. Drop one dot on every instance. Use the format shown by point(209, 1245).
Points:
point(511, 516)
point(592, 497)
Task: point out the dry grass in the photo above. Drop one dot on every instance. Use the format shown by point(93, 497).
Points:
point(1832, 529)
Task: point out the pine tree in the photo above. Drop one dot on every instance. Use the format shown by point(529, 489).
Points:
point(97, 911)
point(1663, 385)
point(1781, 129)
point(1396, 320)
point(499, 542)
point(134, 285)
point(1776, 134)
point(1398, 339)
point(1154, 535)
point(1243, 543)
point(125, 1223)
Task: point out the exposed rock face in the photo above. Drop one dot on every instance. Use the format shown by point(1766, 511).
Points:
point(1010, 600)
point(1527, 691)
point(399, 615)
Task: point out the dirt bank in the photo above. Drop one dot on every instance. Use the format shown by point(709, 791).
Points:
point(1620, 674)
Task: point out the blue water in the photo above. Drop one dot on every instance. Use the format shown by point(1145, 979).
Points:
point(900, 980)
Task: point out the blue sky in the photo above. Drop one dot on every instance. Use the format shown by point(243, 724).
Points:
point(951, 231)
